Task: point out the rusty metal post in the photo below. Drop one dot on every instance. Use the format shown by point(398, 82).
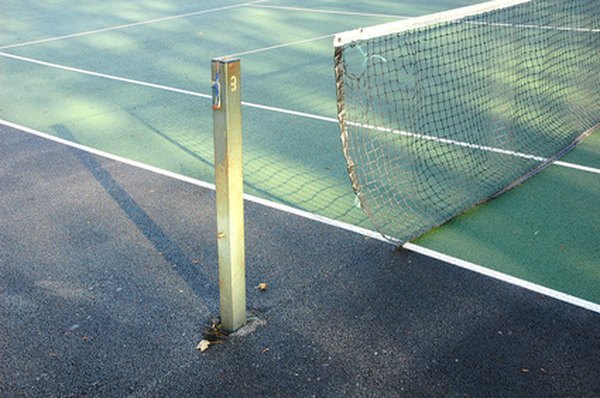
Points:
point(227, 125)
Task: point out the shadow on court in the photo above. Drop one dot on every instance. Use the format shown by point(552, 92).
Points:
point(108, 276)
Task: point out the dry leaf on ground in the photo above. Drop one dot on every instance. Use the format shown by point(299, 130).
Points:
point(262, 287)
point(203, 345)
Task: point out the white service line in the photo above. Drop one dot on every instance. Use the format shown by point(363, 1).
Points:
point(448, 141)
point(348, 227)
point(103, 75)
point(125, 26)
point(484, 148)
point(290, 112)
point(536, 27)
point(276, 46)
point(297, 113)
point(322, 11)
point(344, 38)
point(161, 87)
point(577, 167)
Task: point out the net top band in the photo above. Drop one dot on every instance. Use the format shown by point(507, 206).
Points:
point(344, 38)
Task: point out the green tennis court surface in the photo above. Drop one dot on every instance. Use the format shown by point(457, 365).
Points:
point(133, 80)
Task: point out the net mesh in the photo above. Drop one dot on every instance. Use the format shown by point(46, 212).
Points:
point(439, 118)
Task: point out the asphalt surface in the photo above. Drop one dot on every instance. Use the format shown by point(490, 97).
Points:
point(108, 277)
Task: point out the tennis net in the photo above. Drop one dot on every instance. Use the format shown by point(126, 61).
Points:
point(443, 112)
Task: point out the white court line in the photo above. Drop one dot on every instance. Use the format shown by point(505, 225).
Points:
point(588, 305)
point(567, 298)
point(448, 141)
point(321, 11)
point(344, 38)
point(300, 114)
point(577, 167)
point(536, 27)
point(276, 46)
point(103, 75)
point(125, 26)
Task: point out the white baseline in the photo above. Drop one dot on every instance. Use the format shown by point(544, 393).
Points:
point(348, 227)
